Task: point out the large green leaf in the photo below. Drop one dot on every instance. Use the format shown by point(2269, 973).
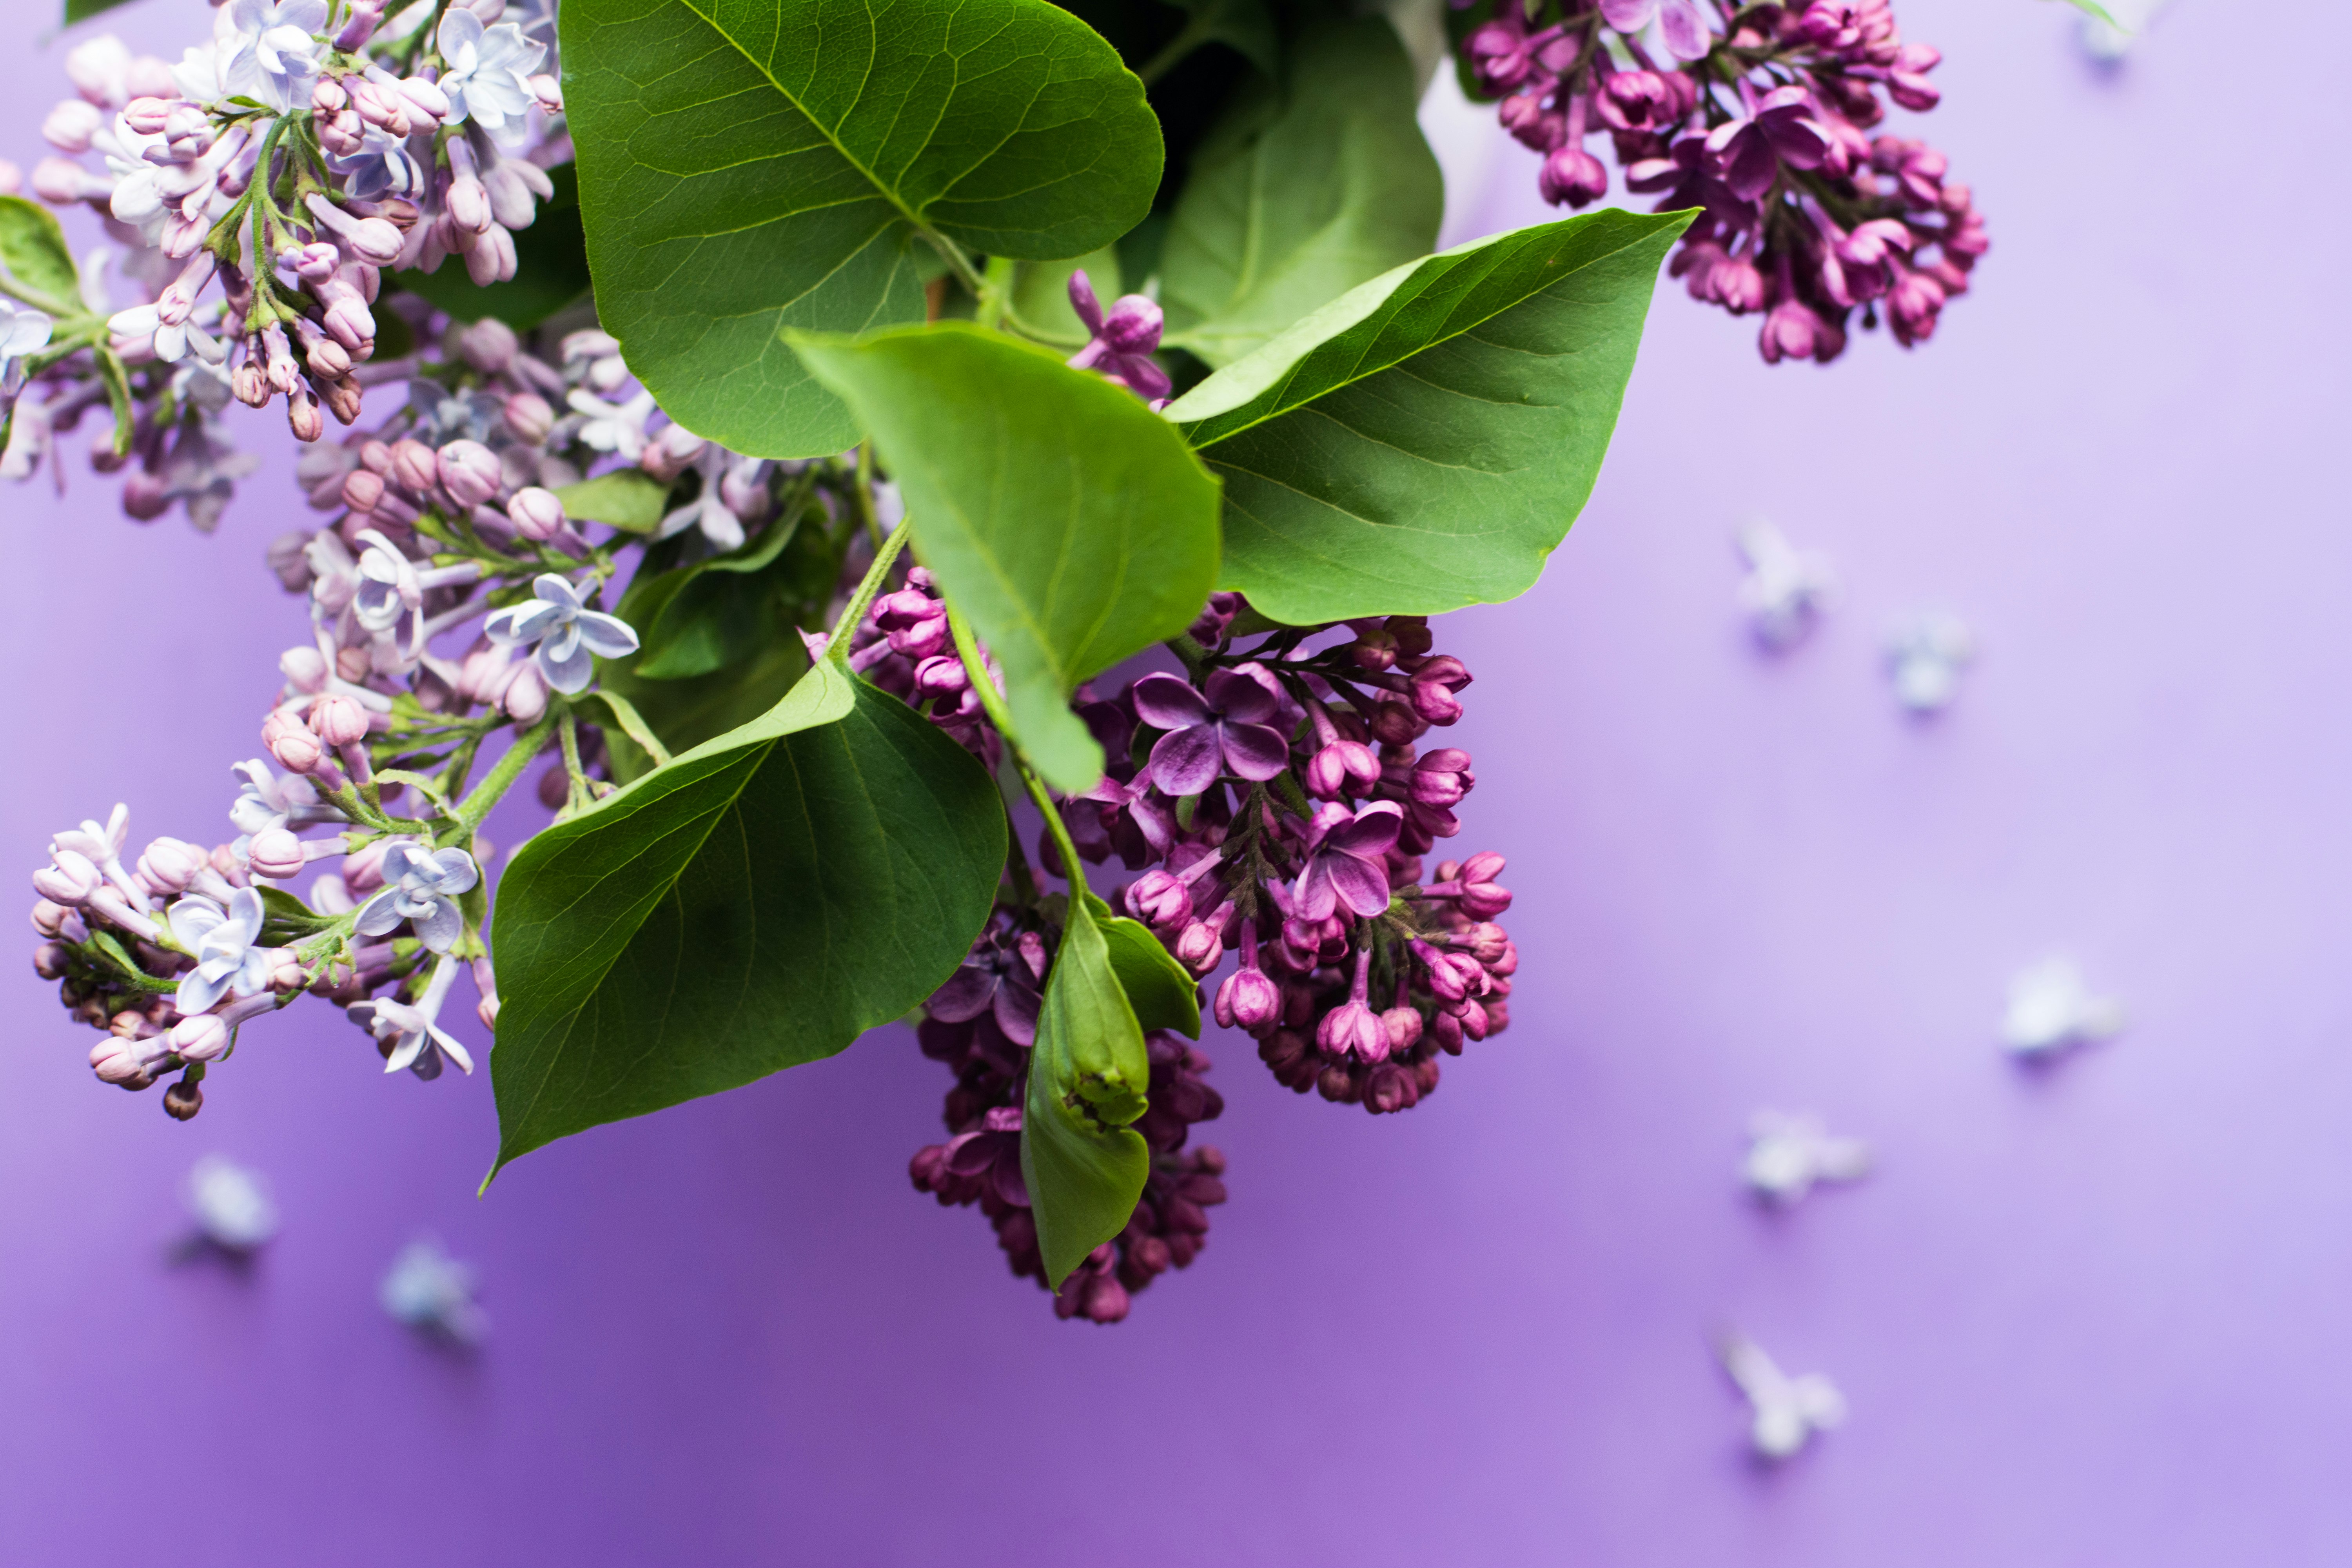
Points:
point(748, 165)
point(728, 608)
point(758, 903)
point(32, 248)
point(1070, 522)
point(1423, 442)
point(1300, 194)
point(1088, 1073)
point(551, 266)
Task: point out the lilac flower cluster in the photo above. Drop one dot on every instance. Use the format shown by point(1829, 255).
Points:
point(1757, 116)
point(260, 189)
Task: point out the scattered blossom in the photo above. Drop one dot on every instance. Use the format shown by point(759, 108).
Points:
point(1787, 1156)
point(2051, 1006)
point(1786, 1412)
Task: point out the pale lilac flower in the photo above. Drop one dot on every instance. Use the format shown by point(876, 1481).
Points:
point(23, 330)
point(488, 79)
point(200, 471)
point(615, 428)
point(708, 509)
point(231, 1204)
point(1347, 859)
point(276, 59)
point(1211, 732)
point(198, 75)
point(1787, 1156)
point(429, 1289)
point(418, 1041)
point(1785, 589)
point(268, 800)
point(382, 167)
point(226, 946)
point(1924, 660)
point(565, 631)
point(1787, 1411)
point(1681, 22)
point(421, 886)
point(2051, 1007)
point(388, 584)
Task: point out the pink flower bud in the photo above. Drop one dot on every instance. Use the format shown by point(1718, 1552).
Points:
point(1352, 1026)
point(118, 1061)
point(302, 416)
point(50, 918)
point(339, 721)
point(469, 473)
point(469, 205)
point(276, 853)
point(1574, 177)
point(548, 90)
point(73, 123)
point(71, 880)
point(200, 1038)
point(328, 97)
point(488, 345)
point(424, 98)
point(413, 465)
point(298, 751)
point(363, 869)
point(941, 675)
point(1340, 768)
point(492, 259)
point(1200, 947)
point(49, 960)
point(362, 490)
point(1249, 1001)
point(169, 866)
point(145, 497)
point(526, 697)
point(380, 107)
point(536, 514)
point(1403, 1025)
point(529, 416)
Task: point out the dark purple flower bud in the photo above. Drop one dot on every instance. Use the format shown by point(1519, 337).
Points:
point(1447, 1030)
point(1199, 948)
point(1442, 778)
point(1342, 768)
point(1159, 899)
point(1396, 724)
point(1498, 53)
point(1389, 1088)
point(1432, 703)
point(1403, 1027)
point(1524, 116)
point(1248, 1001)
point(1574, 177)
point(1353, 1027)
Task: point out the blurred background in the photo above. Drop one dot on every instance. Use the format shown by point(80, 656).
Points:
point(2086, 1312)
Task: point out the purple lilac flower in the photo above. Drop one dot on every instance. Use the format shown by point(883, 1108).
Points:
point(1347, 859)
point(1120, 344)
point(1217, 729)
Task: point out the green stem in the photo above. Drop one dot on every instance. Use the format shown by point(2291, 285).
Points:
point(837, 647)
point(861, 496)
point(1195, 33)
point(501, 778)
point(992, 703)
point(958, 262)
point(997, 294)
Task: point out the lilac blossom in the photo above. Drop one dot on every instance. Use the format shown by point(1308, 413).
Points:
point(565, 631)
point(226, 942)
point(421, 886)
point(1120, 345)
point(1217, 729)
point(275, 59)
point(1680, 22)
point(1003, 980)
point(413, 1037)
point(268, 800)
point(23, 330)
point(615, 428)
point(1345, 859)
point(488, 79)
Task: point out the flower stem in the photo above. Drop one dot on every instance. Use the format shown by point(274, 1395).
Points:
point(501, 778)
point(837, 646)
point(992, 704)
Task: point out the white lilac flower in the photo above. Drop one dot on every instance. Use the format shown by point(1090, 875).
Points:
point(268, 800)
point(276, 58)
point(1787, 1410)
point(231, 1204)
point(427, 1289)
point(23, 330)
point(100, 844)
point(414, 1036)
point(421, 886)
point(615, 428)
point(198, 74)
point(1925, 658)
point(708, 509)
point(565, 631)
point(387, 587)
point(488, 79)
point(2051, 1007)
point(1785, 589)
point(334, 573)
point(383, 167)
point(226, 945)
point(1788, 1154)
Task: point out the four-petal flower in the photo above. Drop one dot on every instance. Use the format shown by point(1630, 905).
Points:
point(421, 886)
point(1208, 734)
point(226, 944)
point(1347, 859)
point(566, 631)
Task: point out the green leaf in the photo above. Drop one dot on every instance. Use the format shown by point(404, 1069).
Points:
point(551, 266)
point(630, 500)
point(758, 903)
point(686, 713)
point(1041, 295)
point(1245, 26)
point(1160, 990)
point(32, 248)
point(727, 609)
point(1057, 510)
point(748, 165)
point(117, 379)
point(1423, 442)
point(1300, 194)
point(1085, 1166)
point(83, 10)
point(2092, 8)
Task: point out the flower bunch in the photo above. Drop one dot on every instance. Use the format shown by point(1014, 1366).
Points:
point(1758, 116)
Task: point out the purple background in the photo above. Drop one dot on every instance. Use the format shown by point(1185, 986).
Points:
point(2083, 1317)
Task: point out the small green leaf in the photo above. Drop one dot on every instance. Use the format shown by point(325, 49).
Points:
point(1300, 194)
point(748, 165)
point(32, 248)
point(117, 377)
point(2092, 8)
point(83, 10)
point(1085, 1166)
point(626, 718)
point(630, 500)
point(1245, 26)
point(686, 713)
point(758, 903)
point(1160, 990)
point(727, 609)
point(1424, 442)
point(1055, 508)
point(551, 266)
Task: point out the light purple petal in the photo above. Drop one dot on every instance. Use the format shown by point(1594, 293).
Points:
point(606, 636)
point(399, 861)
point(453, 1050)
point(1253, 751)
point(554, 590)
point(456, 871)
point(193, 919)
point(1083, 300)
point(245, 913)
point(1186, 760)
point(1685, 29)
point(199, 991)
point(964, 997)
point(405, 1053)
point(567, 675)
point(1628, 15)
point(1313, 896)
point(378, 915)
point(441, 929)
point(1166, 703)
point(1361, 885)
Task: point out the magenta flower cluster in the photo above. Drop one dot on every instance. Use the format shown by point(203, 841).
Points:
point(1759, 117)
